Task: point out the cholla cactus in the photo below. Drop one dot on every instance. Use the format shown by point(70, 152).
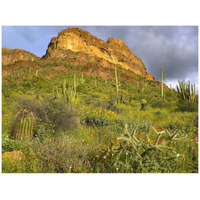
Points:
point(144, 145)
point(23, 126)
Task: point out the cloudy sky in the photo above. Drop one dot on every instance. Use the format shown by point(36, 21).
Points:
point(173, 47)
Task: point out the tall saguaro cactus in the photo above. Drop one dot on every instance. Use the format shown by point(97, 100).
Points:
point(117, 85)
point(64, 90)
point(162, 79)
point(23, 125)
point(82, 79)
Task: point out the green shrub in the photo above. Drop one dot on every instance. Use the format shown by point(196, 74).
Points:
point(187, 106)
point(52, 113)
point(159, 103)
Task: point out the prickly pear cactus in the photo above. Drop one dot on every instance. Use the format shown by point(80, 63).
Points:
point(23, 126)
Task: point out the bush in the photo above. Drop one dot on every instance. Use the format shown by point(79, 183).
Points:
point(187, 106)
point(97, 116)
point(159, 103)
point(52, 113)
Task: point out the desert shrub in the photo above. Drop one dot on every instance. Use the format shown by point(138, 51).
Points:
point(159, 152)
point(10, 145)
point(60, 155)
point(187, 106)
point(159, 103)
point(196, 121)
point(97, 116)
point(103, 104)
point(52, 114)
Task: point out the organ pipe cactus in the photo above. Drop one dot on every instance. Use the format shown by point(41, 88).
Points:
point(69, 93)
point(186, 91)
point(23, 126)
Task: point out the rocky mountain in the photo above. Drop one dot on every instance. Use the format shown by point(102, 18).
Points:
point(84, 47)
point(10, 56)
point(77, 47)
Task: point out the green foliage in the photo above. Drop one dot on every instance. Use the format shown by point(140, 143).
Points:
point(96, 145)
point(97, 116)
point(187, 106)
point(9, 144)
point(159, 103)
point(53, 114)
point(136, 154)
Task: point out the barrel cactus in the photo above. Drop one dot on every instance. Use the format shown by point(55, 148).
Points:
point(23, 126)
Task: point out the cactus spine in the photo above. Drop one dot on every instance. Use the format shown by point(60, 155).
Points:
point(162, 79)
point(23, 125)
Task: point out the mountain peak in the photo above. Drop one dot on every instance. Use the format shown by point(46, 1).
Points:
point(112, 53)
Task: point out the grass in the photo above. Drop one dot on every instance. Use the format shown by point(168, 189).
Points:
point(86, 139)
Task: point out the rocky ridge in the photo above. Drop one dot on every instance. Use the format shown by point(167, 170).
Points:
point(86, 47)
point(10, 56)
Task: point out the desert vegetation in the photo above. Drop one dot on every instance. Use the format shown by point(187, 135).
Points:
point(67, 121)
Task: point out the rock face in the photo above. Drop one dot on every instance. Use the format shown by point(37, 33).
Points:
point(85, 46)
point(10, 56)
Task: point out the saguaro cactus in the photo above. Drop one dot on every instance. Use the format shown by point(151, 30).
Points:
point(162, 79)
point(64, 90)
point(23, 125)
point(82, 79)
point(117, 85)
point(36, 72)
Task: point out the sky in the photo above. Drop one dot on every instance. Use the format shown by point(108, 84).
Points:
point(173, 47)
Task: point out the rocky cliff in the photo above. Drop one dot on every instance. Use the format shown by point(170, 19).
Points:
point(10, 56)
point(80, 44)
